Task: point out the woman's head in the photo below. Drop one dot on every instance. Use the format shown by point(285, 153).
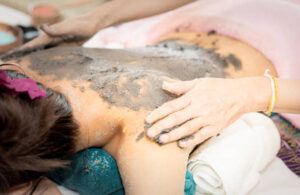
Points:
point(35, 135)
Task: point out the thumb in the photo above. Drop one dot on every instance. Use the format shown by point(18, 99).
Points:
point(178, 88)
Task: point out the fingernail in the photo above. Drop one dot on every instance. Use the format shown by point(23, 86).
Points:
point(151, 133)
point(148, 118)
point(44, 26)
point(166, 84)
point(164, 138)
point(183, 144)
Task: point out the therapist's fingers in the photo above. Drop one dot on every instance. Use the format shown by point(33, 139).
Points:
point(53, 30)
point(41, 42)
point(172, 120)
point(179, 87)
point(199, 137)
point(62, 29)
point(184, 130)
point(65, 32)
point(167, 108)
point(72, 29)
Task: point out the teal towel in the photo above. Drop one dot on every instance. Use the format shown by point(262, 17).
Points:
point(94, 171)
point(190, 186)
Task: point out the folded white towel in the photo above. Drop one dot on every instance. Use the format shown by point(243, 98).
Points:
point(231, 163)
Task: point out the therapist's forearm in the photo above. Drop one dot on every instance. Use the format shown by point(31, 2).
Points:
point(261, 92)
point(288, 96)
point(118, 11)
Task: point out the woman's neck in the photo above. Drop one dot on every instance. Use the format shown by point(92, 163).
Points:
point(98, 122)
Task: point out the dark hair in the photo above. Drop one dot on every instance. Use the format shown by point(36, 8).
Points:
point(35, 135)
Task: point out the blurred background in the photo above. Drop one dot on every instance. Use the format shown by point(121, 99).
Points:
point(20, 19)
point(67, 8)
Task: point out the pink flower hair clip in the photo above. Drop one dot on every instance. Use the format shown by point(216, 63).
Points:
point(21, 86)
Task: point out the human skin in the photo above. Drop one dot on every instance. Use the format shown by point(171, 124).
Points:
point(194, 114)
point(114, 12)
point(203, 116)
point(145, 167)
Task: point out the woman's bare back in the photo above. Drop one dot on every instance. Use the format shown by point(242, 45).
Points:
point(131, 77)
point(126, 85)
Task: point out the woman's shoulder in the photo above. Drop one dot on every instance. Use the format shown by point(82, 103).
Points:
point(145, 166)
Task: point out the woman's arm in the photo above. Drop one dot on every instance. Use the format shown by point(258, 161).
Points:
point(119, 11)
point(209, 105)
point(288, 96)
point(147, 168)
point(110, 13)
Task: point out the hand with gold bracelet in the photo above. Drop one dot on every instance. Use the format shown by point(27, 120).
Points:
point(208, 105)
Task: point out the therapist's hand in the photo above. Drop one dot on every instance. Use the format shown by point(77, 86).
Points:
point(72, 29)
point(207, 106)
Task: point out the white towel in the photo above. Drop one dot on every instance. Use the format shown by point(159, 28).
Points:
point(277, 179)
point(232, 162)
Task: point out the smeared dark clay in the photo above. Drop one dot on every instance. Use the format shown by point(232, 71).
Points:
point(140, 136)
point(189, 137)
point(130, 78)
point(169, 129)
point(20, 53)
point(82, 88)
point(231, 58)
point(212, 32)
point(156, 138)
point(146, 127)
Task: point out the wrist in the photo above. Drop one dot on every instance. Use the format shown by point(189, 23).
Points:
point(258, 93)
point(102, 16)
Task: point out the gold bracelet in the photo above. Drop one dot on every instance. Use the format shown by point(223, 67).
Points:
point(274, 87)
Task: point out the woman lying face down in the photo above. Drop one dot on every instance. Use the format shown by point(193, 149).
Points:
point(100, 97)
point(36, 135)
